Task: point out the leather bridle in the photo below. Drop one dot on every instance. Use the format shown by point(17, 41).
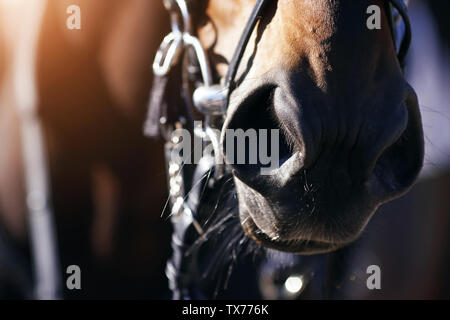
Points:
point(212, 101)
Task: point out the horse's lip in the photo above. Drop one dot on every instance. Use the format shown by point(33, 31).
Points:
point(305, 247)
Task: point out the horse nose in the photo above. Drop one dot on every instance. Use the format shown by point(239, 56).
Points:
point(337, 144)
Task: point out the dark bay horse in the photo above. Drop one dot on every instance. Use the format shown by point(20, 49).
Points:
point(351, 132)
point(350, 120)
point(334, 88)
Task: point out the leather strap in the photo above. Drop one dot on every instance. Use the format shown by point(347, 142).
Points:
point(406, 42)
point(240, 49)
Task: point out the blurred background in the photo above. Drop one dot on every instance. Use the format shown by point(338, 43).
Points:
point(90, 88)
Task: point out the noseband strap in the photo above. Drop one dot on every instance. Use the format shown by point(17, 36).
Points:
point(401, 7)
point(240, 49)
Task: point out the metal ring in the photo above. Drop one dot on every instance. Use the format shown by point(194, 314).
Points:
point(187, 25)
point(168, 53)
point(200, 54)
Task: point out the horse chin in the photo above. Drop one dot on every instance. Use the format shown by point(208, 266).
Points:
point(298, 246)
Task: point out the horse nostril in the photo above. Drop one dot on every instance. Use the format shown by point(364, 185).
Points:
point(253, 136)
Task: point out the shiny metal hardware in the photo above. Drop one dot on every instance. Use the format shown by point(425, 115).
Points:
point(209, 100)
point(168, 54)
point(180, 38)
